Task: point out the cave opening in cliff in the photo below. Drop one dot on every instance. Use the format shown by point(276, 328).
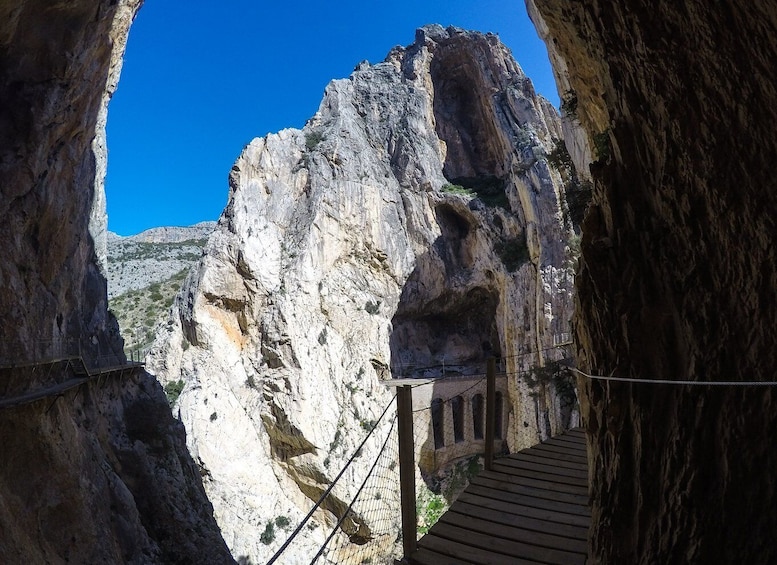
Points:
point(448, 335)
point(464, 121)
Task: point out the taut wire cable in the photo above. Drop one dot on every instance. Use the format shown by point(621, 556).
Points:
point(672, 382)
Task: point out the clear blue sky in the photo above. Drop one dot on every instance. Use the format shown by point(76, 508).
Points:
point(203, 78)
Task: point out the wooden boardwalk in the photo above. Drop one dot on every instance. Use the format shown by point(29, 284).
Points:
point(77, 366)
point(532, 507)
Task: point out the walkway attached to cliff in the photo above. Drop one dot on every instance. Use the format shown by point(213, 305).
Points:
point(77, 367)
point(532, 507)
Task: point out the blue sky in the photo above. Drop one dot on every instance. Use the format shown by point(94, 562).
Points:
point(202, 78)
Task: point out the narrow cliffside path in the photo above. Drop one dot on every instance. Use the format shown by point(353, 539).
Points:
point(82, 374)
point(531, 508)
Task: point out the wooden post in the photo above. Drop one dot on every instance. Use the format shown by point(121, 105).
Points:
point(406, 469)
point(490, 412)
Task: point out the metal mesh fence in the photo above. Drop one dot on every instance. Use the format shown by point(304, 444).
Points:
point(366, 528)
point(369, 530)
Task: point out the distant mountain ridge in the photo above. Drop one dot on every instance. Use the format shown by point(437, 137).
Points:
point(153, 255)
point(168, 234)
point(145, 271)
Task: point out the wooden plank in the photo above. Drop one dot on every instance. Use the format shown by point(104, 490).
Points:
point(507, 486)
point(568, 443)
point(577, 442)
point(490, 413)
point(471, 555)
point(581, 462)
point(406, 469)
point(566, 452)
point(514, 549)
point(529, 500)
point(545, 458)
point(555, 486)
point(406, 382)
point(426, 556)
point(518, 520)
point(517, 471)
point(514, 533)
point(532, 507)
point(480, 497)
point(548, 469)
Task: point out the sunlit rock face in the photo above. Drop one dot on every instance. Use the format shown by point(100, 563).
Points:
point(345, 256)
point(678, 278)
point(100, 475)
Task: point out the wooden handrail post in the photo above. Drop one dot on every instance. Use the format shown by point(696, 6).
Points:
point(490, 411)
point(406, 469)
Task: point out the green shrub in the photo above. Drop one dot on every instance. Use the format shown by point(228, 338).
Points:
point(569, 103)
point(458, 189)
point(513, 253)
point(282, 522)
point(312, 139)
point(559, 157)
point(173, 391)
point(368, 425)
point(429, 510)
point(602, 145)
point(268, 535)
point(489, 189)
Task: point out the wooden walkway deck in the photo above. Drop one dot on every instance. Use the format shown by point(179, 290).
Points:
point(532, 507)
point(77, 366)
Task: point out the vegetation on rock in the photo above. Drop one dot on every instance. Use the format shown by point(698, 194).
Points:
point(489, 189)
point(578, 191)
point(513, 252)
point(173, 391)
point(139, 312)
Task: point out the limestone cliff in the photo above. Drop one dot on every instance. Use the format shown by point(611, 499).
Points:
point(414, 218)
point(98, 474)
point(678, 273)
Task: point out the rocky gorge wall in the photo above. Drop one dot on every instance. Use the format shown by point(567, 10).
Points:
point(99, 474)
point(678, 271)
point(347, 255)
point(678, 281)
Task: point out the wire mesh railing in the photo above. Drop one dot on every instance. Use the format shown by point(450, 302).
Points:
point(364, 529)
point(368, 531)
point(96, 353)
point(52, 366)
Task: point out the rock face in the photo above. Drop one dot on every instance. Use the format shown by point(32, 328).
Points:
point(678, 274)
point(412, 220)
point(100, 475)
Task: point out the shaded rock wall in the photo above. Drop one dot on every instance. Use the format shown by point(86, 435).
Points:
point(100, 475)
point(678, 275)
point(58, 65)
